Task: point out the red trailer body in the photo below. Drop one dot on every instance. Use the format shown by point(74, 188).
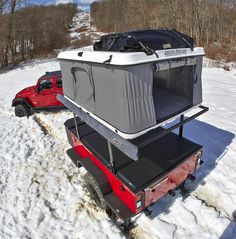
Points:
point(135, 200)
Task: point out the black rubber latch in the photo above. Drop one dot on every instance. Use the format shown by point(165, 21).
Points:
point(108, 60)
point(171, 193)
point(80, 54)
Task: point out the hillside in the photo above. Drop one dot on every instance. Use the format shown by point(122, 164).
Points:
point(42, 31)
point(82, 32)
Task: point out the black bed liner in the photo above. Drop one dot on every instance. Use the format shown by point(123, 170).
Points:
point(156, 158)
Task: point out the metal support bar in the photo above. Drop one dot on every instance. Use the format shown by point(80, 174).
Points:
point(181, 128)
point(122, 144)
point(166, 131)
point(76, 127)
point(112, 163)
point(127, 147)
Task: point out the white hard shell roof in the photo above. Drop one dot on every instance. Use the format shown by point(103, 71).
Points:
point(87, 54)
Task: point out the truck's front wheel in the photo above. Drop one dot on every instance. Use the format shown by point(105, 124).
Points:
point(21, 110)
point(94, 191)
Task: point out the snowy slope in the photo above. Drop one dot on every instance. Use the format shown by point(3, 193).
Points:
point(43, 195)
point(80, 21)
point(81, 27)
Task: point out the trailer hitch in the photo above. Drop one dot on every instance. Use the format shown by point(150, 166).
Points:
point(171, 193)
point(128, 226)
point(187, 186)
point(184, 191)
point(148, 211)
point(192, 178)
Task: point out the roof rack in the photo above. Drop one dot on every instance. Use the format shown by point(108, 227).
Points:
point(128, 147)
point(51, 73)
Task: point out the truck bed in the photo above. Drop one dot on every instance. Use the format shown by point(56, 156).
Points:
point(156, 159)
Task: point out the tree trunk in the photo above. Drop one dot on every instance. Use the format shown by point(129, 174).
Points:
point(9, 32)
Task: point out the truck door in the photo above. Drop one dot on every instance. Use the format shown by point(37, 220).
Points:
point(57, 89)
point(46, 95)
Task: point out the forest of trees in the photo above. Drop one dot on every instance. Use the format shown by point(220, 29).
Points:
point(32, 31)
point(211, 22)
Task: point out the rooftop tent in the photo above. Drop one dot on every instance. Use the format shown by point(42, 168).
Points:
point(132, 92)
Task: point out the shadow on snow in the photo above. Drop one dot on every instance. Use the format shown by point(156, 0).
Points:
point(230, 229)
point(215, 142)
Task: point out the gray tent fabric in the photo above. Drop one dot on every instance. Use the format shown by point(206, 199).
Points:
point(68, 79)
point(197, 82)
point(124, 96)
point(84, 86)
point(135, 97)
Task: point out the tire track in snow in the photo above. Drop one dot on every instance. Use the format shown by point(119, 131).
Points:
point(209, 204)
point(41, 124)
point(139, 233)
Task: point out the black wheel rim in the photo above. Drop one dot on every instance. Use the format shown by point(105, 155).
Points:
point(21, 113)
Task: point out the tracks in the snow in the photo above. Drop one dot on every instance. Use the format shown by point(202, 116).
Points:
point(217, 210)
point(42, 126)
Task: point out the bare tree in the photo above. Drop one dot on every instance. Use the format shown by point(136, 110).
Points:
point(2, 5)
point(33, 31)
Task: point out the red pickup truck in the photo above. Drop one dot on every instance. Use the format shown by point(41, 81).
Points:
point(41, 96)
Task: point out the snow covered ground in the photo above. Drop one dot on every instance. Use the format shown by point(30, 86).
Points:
point(42, 194)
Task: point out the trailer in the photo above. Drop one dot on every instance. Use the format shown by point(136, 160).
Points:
point(123, 91)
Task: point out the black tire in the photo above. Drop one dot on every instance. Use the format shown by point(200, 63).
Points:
point(21, 110)
point(95, 192)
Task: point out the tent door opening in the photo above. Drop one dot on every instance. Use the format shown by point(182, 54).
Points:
point(173, 87)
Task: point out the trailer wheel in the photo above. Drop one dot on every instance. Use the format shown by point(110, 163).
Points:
point(21, 110)
point(94, 191)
